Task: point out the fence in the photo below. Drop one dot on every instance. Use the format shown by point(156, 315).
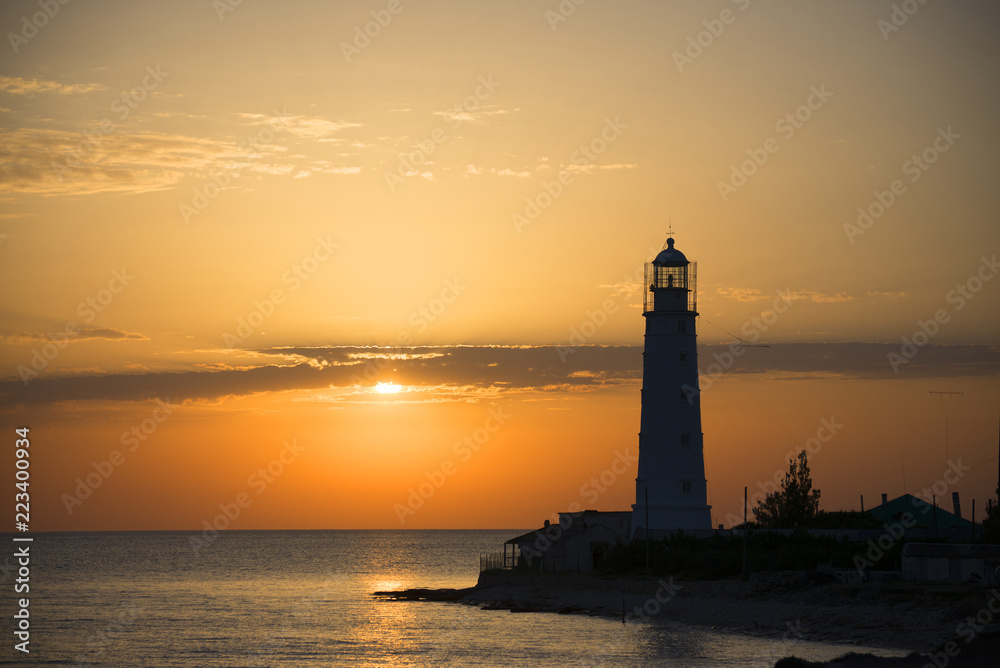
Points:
point(497, 561)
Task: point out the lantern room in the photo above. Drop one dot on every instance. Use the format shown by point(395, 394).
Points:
point(671, 282)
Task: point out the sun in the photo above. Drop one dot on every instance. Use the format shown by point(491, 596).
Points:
point(388, 388)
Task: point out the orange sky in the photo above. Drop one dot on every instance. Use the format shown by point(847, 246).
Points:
point(255, 216)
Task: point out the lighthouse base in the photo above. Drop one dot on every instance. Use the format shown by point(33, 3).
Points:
point(670, 519)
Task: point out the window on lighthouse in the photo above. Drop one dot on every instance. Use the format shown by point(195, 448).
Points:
point(681, 327)
point(686, 486)
point(671, 277)
point(682, 359)
point(685, 440)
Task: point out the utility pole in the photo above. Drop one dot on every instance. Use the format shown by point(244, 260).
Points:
point(746, 529)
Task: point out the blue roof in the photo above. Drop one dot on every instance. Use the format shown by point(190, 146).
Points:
point(922, 511)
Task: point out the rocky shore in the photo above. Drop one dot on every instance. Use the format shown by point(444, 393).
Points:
point(918, 618)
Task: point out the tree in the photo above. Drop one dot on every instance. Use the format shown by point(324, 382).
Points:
point(795, 503)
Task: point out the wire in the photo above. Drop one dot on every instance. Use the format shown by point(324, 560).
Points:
point(727, 332)
point(971, 468)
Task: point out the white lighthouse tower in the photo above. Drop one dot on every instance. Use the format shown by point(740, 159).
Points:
point(670, 490)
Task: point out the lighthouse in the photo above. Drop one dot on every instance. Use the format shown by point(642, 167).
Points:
point(671, 491)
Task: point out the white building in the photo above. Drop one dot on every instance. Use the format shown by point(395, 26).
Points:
point(670, 491)
point(949, 562)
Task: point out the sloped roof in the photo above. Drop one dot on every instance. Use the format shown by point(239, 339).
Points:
point(578, 525)
point(922, 511)
point(525, 537)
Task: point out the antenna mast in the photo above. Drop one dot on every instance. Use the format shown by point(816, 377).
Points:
point(947, 401)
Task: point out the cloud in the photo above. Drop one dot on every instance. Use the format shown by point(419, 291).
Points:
point(473, 170)
point(462, 372)
point(107, 159)
point(460, 114)
point(57, 162)
point(271, 168)
point(468, 373)
point(821, 298)
point(591, 167)
point(892, 296)
point(19, 86)
point(306, 127)
point(511, 172)
point(755, 295)
point(743, 294)
point(52, 162)
point(105, 333)
point(179, 114)
point(324, 167)
point(623, 288)
point(858, 360)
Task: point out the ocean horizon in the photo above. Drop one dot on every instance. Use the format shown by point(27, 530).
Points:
point(304, 598)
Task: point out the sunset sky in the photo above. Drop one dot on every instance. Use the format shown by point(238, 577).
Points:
point(226, 226)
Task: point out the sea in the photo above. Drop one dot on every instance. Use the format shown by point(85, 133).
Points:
point(304, 599)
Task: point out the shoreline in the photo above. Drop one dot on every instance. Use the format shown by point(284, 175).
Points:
point(788, 606)
point(808, 613)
